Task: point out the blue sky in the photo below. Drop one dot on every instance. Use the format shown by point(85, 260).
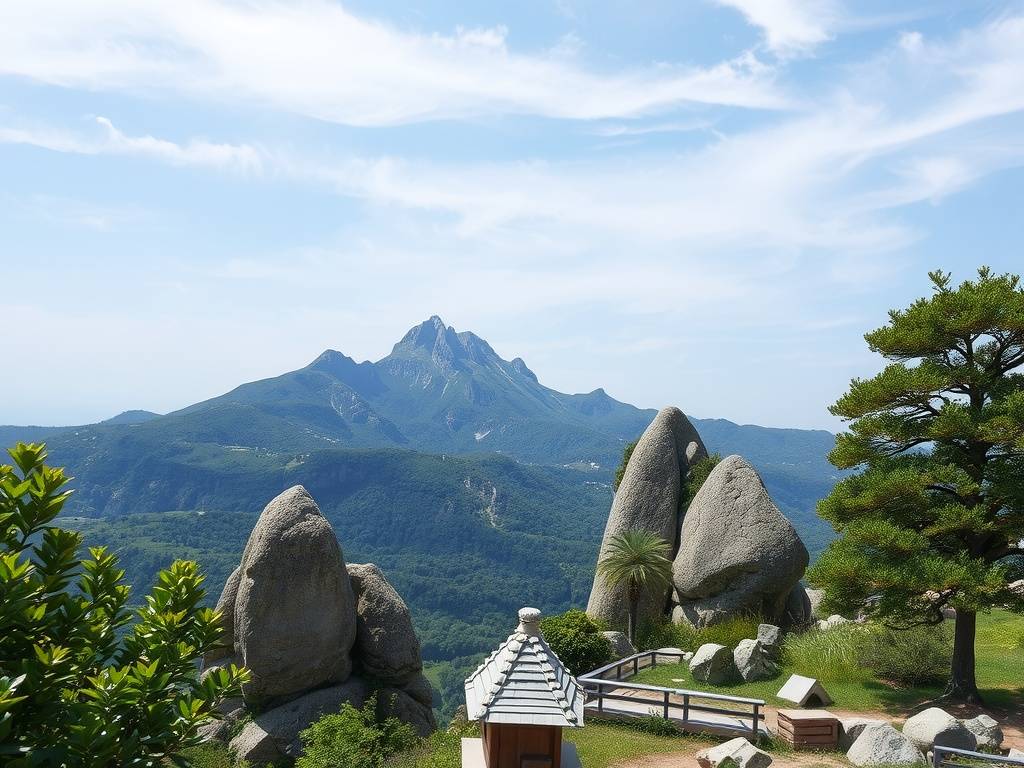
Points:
point(702, 203)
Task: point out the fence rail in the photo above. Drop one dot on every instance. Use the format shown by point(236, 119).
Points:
point(949, 757)
point(608, 683)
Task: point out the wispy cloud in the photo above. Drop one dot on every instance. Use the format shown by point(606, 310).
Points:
point(317, 59)
point(791, 27)
point(109, 140)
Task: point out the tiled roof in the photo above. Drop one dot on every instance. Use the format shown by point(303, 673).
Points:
point(524, 682)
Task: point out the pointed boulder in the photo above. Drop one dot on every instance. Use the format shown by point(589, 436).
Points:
point(386, 644)
point(295, 616)
point(738, 554)
point(648, 499)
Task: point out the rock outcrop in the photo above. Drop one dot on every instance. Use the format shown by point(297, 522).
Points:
point(313, 632)
point(621, 647)
point(648, 499)
point(752, 661)
point(386, 643)
point(737, 552)
point(735, 753)
point(986, 730)
point(936, 727)
point(712, 663)
point(770, 637)
point(881, 744)
point(295, 612)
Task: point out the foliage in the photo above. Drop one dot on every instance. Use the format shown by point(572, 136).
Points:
point(937, 511)
point(80, 682)
point(577, 640)
point(666, 634)
point(627, 452)
point(354, 738)
point(639, 561)
point(833, 657)
point(915, 657)
point(695, 477)
point(654, 724)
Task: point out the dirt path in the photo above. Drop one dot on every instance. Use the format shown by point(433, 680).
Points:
point(1011, 721)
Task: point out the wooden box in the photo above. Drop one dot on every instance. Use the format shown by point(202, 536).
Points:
point(808, 728)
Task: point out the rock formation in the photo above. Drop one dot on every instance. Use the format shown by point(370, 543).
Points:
point(753, 662)
point(936, 727)
point(734, 553)
point(986, 730)
point(881, 744)
point(712, 663)
point(648, 499)
point(294, 621)
point(737, 552)
point(313, 632)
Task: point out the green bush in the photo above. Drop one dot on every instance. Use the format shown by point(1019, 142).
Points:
point(81, 683)
point(652, 724)
point(621, 469)
point(355, 738)
point(832, 655)
point(688, 638)
point(911, 657)
point(577, 640)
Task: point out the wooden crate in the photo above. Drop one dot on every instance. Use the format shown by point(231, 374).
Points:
point(808, 728)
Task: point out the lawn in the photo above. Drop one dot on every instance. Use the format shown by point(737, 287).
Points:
point(1000, 660)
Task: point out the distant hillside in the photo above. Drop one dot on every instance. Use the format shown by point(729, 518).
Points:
point(471, 483)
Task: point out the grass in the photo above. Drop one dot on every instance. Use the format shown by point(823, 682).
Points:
point(830, 657)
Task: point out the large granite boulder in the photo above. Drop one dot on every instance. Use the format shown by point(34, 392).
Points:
point(735, 753)
point(396, 702)
point(284, 723)
point(752, 661)
point(648, 499)
point(386, 647)
point(713, 664)
point(936, 727)
point(226, 609)
point(738, 553)
point(881, 744)
point(621, 647)
point(986, 730)
point(850, 728)
point(295, 614)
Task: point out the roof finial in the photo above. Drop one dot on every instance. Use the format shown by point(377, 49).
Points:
point(529, 622)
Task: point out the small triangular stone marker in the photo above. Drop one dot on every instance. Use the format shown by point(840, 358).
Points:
point(803, 691)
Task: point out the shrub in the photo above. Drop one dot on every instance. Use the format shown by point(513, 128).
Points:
point(355, 738)
point(621, 469)
point(911, 657)
point(689, 638)
point(80, 682)
point(830, 656)
point(653, 724)
point(577, 640)
point(695, 477)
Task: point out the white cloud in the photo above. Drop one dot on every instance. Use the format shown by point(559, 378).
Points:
point(791, 27)
point(316, 59)
point(243, 158)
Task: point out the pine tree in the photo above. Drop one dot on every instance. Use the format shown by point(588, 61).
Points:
point(935, 516)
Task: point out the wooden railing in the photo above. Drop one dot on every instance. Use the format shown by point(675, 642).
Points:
point(948, 757)
point(607, 683)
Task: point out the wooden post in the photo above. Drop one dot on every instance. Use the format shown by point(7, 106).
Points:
point(686, 708)
point(636, 665)
point(755, 731)
point(666, 704)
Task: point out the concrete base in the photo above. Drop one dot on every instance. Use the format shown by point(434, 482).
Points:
point(473, 754)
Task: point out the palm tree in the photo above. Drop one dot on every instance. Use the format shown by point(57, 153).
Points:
point(636, 560)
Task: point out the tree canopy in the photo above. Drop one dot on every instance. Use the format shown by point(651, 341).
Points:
point(934, 518)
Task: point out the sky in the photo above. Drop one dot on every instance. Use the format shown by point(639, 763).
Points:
point(703, 203)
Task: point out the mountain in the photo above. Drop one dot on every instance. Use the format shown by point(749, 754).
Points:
point(472, 484)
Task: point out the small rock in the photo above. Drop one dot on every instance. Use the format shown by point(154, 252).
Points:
point(770, 637)
point(735, 753)
point(713, 663)
point(621, 646)
point(1016, 754)
point(986, 730)
point(817, 597)
point(834, 620)
point(852, 727)
point(255, 745)
point(881, 744)
point(936, 727)
point(752, 661)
